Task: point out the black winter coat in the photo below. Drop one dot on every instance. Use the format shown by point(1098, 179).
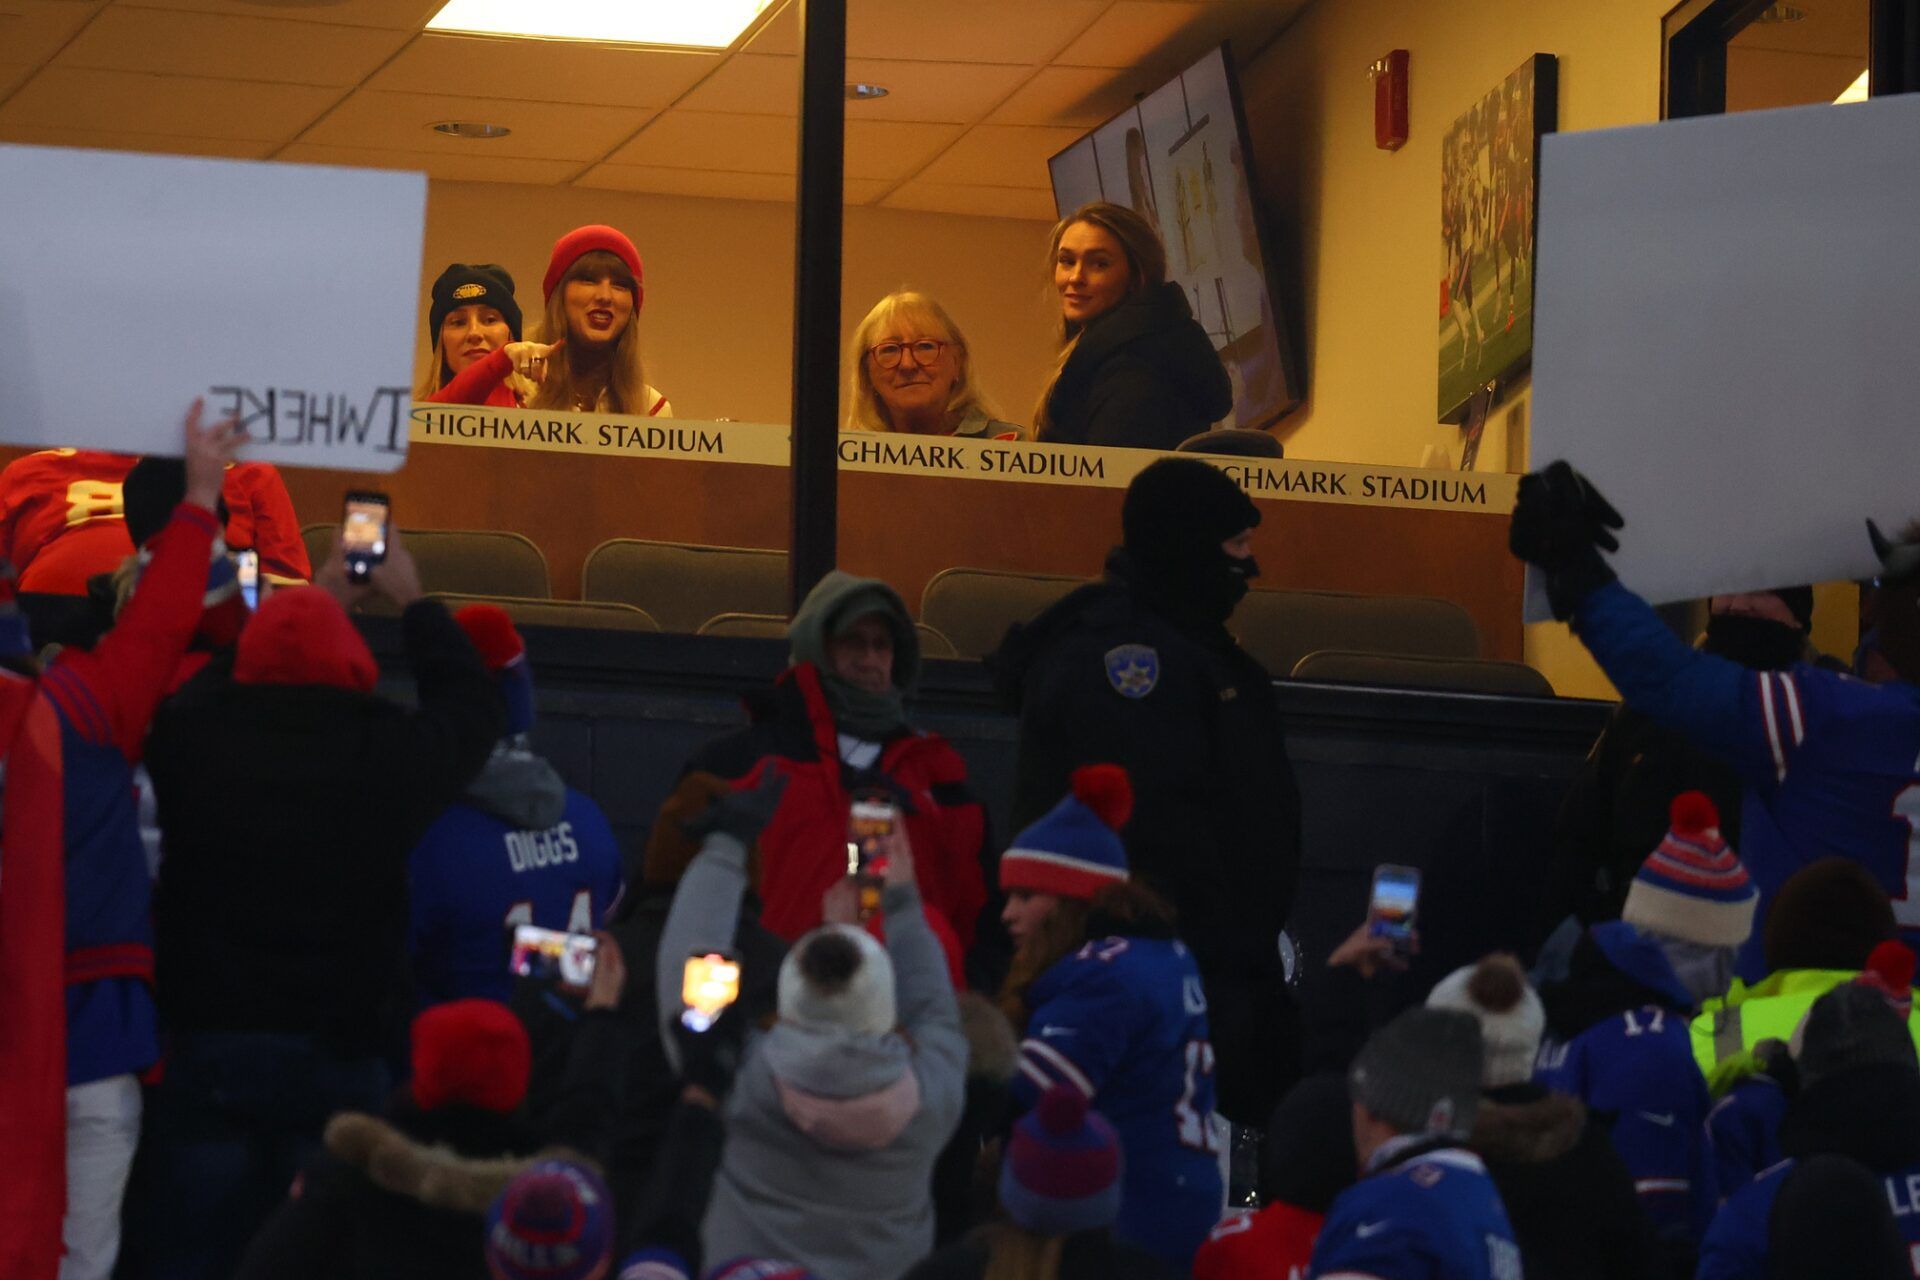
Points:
point(289, 812)
point(399, 1198)
point(1216, 815)
point(1574, 1210)
point(1144, 375)
point(1088, 1255)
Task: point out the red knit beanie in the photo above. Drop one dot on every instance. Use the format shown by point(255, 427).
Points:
point(471, 1053)
point(302, 636)
point(581, 241)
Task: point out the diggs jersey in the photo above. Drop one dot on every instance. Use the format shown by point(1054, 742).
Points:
point(1275, 1243)
point(474, 877)
point(1736, 1247)
point(1635, 1071)
point(1124, 1020)
point(1832, 764)
point(62, 518)
point(1435, 1216)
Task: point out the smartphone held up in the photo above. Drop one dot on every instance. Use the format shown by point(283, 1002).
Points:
point(709, 983)
point(554, 955)
point(1393, 906)
point(364, 533)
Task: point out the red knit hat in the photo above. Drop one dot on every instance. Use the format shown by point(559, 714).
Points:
point(1890, 972)
point(302, 636)
point(579, 242)
point(471, 1053)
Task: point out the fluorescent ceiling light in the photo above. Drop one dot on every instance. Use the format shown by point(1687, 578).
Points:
point(1855, 92)
point(683, 24)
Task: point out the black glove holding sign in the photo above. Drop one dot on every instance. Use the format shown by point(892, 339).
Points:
point(1560, 526)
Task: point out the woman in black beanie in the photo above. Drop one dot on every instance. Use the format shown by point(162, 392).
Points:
point(473, 314)
point(1135, 367)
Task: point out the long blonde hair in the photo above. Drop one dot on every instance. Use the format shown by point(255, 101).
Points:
point(1146, 267)
point(626, 380)
point(864, 410)
point(436, 374)
point(1015, 1253)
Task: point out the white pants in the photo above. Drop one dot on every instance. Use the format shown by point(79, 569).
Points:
point(103, 1127)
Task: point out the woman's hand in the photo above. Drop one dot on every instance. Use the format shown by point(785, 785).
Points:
point(530, 358)
point(208, 451)
point(609, 974)
point(899, 854)
point(1370, 954)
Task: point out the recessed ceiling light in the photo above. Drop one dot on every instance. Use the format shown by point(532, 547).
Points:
point(860, 91)
point(679, 24)
point(1781, 13)
point(471, 129)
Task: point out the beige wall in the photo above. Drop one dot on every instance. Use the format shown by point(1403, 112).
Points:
point(1365, 223)
point(719, 282)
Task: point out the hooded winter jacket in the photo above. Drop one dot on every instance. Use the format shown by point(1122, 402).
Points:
point(282, 902)
point(1570, 1199)
point(832, 1136)
point(1144, 375)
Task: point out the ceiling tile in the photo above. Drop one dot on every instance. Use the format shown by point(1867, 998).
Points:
point(1079, 97)
point(181, 105)
point(543, 71)
point(1023, 31)
point(11, 77)
point(781, 35)
point(395, 15)
point(205, 44)
point(541, 130)
point(452, 168)
point(938, 92)
point(753, 84)
point(894, 149)
point(715, 184)
point(1830, 26)
point(988, 202)
point(1000, 155)
point(31, 31)
point(120, 140)
point(714, 140)
point(1134, 31)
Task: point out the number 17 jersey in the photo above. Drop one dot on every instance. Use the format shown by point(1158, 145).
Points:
point(1124, 1021)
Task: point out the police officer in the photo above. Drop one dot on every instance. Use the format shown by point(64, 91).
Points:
point(1138, 669)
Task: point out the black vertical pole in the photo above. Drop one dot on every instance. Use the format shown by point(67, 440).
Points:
point(816, 297)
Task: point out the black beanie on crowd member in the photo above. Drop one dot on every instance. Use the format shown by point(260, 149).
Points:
point(1850, 1027)
point(1421, 1072)
point(1831, 1221)
point(466, 284)
point(152, 489)
point(1830, 914)
point(1799, 602)
point(1308, 1158)
point(1175, 516)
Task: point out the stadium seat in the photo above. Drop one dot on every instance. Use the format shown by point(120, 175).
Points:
point(525, 612)
point(319, 541)
point(1460, 675)
point(684, 584)
point(973, 608)
point(478, 562)
point(1281, 627)
point(773, 626)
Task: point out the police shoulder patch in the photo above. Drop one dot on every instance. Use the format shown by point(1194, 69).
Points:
point(1133, 669)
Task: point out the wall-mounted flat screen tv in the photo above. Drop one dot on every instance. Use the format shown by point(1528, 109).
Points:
point(1180, 157)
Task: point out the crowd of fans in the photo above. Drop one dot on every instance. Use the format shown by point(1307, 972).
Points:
point(294, 1039)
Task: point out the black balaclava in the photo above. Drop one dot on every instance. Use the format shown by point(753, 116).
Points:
point(1176, 514)
point(1761, 643)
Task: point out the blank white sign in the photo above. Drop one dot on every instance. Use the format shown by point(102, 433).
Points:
point(129, 284)
point(1728, 339)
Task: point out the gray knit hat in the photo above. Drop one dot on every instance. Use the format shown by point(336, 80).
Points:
point(1851, 1026)
point(1421, 1072)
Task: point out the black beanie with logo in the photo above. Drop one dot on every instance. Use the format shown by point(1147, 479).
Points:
point(468, 284)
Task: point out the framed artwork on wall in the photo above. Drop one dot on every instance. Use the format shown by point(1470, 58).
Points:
point(1487, 201)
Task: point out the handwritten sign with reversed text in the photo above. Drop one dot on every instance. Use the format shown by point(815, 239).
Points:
point(284, 294)
point(761, 444)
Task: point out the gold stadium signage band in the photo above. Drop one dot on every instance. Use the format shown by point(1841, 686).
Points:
point(758, 444)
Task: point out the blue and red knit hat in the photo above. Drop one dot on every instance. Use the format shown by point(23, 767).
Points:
point(1074, 849)
point(553, 1222)
point(1062, 1170)
point(505, 653)
point(1693, 887)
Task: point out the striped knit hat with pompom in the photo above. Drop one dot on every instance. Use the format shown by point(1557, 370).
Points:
point(1074, 849)
point(1693, 887)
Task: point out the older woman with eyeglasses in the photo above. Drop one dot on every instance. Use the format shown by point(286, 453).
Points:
point(909, 371)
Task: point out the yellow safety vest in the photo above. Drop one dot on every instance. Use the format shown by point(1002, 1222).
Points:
point(1727, 1030)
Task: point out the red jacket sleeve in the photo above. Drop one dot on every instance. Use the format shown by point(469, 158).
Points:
point(108, 694)
point(476, 383)
point(257, 489)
